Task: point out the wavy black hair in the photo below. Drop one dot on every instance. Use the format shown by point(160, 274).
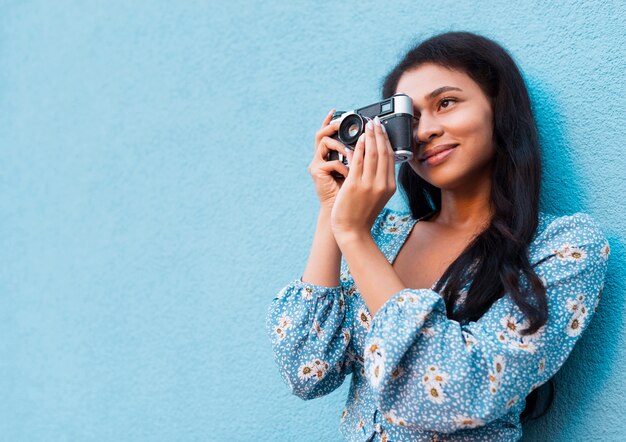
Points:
point(515, 189)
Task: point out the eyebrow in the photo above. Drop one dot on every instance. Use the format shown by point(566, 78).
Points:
point(440, 90)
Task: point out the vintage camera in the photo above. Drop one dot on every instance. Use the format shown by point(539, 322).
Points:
point(395, 113)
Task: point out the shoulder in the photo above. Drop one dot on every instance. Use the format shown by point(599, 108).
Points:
point(556, 232)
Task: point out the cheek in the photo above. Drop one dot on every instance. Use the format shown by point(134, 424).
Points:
point(474, 131)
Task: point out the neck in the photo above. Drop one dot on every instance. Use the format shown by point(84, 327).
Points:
point(465, 208)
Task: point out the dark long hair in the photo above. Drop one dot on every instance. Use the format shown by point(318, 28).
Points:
point(515, 189)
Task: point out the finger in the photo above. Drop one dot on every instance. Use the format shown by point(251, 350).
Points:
point(392, 160)
point(371, 154)
point(336, 166)
point(326, 131)
point(382, 168)
point(326, 145)
point(356, 159)
point(328, 118)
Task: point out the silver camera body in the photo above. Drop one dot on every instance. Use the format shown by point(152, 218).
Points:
point(395, 114)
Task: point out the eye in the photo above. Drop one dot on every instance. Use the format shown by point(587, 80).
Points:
point(446, 99)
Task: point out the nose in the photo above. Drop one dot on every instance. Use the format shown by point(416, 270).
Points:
point(425, 129)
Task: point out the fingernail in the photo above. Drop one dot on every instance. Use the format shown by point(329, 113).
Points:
point(383, 126)
point(370, 126)
point(377, 121)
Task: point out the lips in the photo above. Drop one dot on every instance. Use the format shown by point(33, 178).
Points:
point(435, 150)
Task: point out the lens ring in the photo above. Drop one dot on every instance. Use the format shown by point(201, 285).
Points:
point(351, 127)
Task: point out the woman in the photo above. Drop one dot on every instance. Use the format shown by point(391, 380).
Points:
point(450, 315)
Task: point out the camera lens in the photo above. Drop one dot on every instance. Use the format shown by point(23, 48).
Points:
point(351, 128)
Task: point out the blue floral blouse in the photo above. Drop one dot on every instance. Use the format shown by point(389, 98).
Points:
point(419, 376)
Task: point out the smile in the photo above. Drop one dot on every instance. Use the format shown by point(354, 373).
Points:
point(439, 158)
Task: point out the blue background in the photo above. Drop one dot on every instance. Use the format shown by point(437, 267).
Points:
point(155, 197)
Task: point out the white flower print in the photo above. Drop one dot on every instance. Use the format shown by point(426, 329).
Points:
point(305, 371)
point(421, 318)
point(319, 368)
point(375, 373)
point(524, 343)
point(512, 336)
point(342, 302)
point(537, 335)
point(391, 416)
point(578, 314)
point(318, 329)
point(572, 305)
point(496, 374)
point(511, 325)
point(434, 375)
point(542, 366)
point(470, 340)
point(344, 276)
point(360, 424)
point(575, 324)
point(467, 422)
point(397, 373)
point(535, 385)
point(428, 331)
point(351, 291)
point(344, 413)
point(570, 253)
point(350, 358)
point(384, 437)
point(605, 251)
point(434, 380)
point(365, 319)
point(498, 366)
point(280, 332)
point(346, 335)
point(375, 353)
point(374, 350)
point(435, 394)
point(393, 223)
point(502, 337)
point(307, 293)
point(285, 322)
point(512, 401)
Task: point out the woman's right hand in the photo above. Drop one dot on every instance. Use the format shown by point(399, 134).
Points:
point(320, 169)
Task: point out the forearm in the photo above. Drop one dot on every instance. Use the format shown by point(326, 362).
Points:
point(375, 278)
point(324, 264)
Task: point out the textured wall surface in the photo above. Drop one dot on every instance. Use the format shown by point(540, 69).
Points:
point(154, 197)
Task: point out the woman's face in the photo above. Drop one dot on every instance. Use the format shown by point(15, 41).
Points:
point(463, 117)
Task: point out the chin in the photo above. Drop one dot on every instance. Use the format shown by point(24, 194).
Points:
point(443, 176)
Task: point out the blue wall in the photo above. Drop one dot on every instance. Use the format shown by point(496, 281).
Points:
point(154, 197)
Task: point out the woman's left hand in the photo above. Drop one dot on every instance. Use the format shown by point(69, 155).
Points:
point(371, 182)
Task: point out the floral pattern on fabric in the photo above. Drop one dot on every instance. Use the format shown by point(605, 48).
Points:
point(419, 376)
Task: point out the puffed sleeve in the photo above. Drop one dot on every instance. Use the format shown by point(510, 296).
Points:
point(310, 330)
point(431, 373)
